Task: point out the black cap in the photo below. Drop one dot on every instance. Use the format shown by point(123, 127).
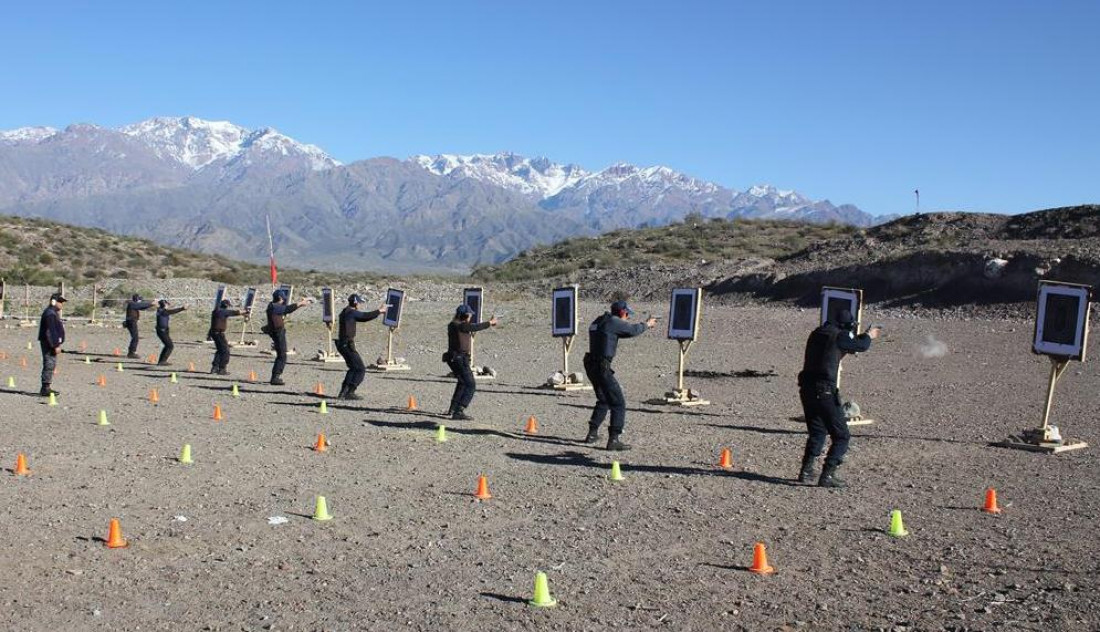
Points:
point(620, 307)
point(225, 302)
point(56, 296)
point(464, 310)
point(276, 295)
point(135, 297)
point(162, 302)
point(355, 299)
point(844, 318)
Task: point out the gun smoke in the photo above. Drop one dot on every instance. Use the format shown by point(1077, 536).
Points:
point(931, 348)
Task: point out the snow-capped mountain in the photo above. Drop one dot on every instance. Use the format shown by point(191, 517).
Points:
point(537, 177)
point(198, 143)
point(28, 135)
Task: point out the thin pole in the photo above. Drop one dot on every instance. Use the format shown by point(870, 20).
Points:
point(271, 247)
point(389, 347)
point(1057, 365)
point(566, 342)
point(680, 368)
point(329, 343)
point(95, 299)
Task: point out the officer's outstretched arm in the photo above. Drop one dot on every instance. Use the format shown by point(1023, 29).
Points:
point(851, 343)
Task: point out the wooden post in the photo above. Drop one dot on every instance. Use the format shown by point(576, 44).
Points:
point(329, 343)
point(26, 301)
point(684, 346)
point(95, 301)
point(3, 295)
point(566, 343)
point(389, 346)
point(1057, 367)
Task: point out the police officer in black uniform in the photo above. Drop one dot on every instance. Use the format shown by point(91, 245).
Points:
point(164, 315)
point(218, 323)
point(826, 347)
point(345, 344)
point(277, 310)
point(603, 340)
point(459, 344)
point(51, 335)
point(134, 307)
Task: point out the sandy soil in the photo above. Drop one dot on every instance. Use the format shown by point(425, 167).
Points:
point(667, 548)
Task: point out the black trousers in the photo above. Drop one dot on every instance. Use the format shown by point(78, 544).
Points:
point(609, 395)
point(467, 385)
point(824, 418)
point(49, 363)
point(221, 353)
point(357, 370)
point(132, 327)
point(166, 340)
point(278, 343)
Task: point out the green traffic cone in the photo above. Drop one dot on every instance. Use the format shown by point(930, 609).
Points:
point(11, 381)
point(53, 399)
point(542, 598)
point(103, 419)
point(185, 454)
point(897, 528)
point(236, 391)
point(87, 360)
point(173, 379)
point(118, 367)
point(321, 512)
point(29, 346)
point(441, 433)
point(324, 407)
point(616, 472)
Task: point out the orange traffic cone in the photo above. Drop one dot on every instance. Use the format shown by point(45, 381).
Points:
point(482, 488)
point(217, 412)
point(726, 460)
point(83, 346)
point(190, 367)
point(760, 564)
point(152, 359)
point(21, 465)
point(154, 396)
point(412, 402)
point(252, 376)
point(117, 352)
point(991, 502)
point(532, 426)
point(23, 362)
point(321, 444)
point(114, 536)
point(102, 381)
point(319, 389)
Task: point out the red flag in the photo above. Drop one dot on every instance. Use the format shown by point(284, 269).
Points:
point(274, 272)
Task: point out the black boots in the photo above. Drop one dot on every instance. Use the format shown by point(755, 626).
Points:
point(615, 445)
point(806, 474)
point(828, 477)
point(277, 381)
point(132, 355)
point(46, 391)
point(459, 414)
point(593, 435)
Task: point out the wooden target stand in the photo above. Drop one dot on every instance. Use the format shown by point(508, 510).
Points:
point(681, 396)
point(328, 354)
point(246, 330)
point(480, 372)
point(572, 380)
point(390, 363)
point(1045, 438)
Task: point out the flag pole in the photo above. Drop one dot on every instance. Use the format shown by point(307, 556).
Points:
point(271, 253)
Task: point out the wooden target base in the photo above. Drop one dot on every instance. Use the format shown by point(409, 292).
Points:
point(855, 421)
point(246, 343)
point(567, 387)
point(1031, 441)
point(680, 398)
point(383, 368)
point(328, 357)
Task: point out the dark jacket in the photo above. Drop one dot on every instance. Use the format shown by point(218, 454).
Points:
point(604, 334)
point(826, 347)
point(349, 316)
point(50, 328)
point(459, 335)
point(163, 315)
point(276, 312)
point(219, 317)
point(133, 309)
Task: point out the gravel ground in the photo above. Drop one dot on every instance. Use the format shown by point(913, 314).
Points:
point(408, 547)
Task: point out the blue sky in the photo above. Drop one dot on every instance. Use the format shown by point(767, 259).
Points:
point(982, 105)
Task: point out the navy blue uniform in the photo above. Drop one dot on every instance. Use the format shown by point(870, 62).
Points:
point(345, 345)
point(133, 315)
point(603, 342)
point(51, 335)
point(163, 317)
point(826, 347)
point(276, 328)
point(218, 322)
point(459, 345)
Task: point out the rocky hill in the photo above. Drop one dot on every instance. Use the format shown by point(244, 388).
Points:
point(935, 259)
